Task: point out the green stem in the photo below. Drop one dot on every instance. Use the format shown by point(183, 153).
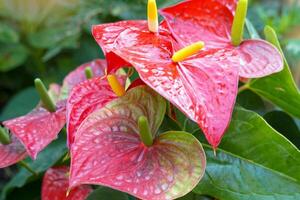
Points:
point(4, 136)
point(237, 29)
point(27, 167)
point(88, 72)
point(145, 132)
point(243, 88)
point(45, 98)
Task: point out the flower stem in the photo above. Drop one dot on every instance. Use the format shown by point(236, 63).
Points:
point(88, 73)
point(145, 132)
point(237, 29)
point(4, 136)
point(45, 98)
point(27, 167)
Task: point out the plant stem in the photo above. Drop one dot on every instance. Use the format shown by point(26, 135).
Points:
point(27, 167)
point(4, 136)
point(145, 132)
point(45, 98)
point(243, 88)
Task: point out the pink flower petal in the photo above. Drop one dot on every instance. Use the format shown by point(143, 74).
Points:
point(200, 20)
point(108, 151)
point(203, 87)
point(56, 183)
point(84, 99)
point(78, 75)
point(38, 128)
point(11, 153)
point(258, 58)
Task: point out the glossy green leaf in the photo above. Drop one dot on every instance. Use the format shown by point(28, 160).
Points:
point(278, 88)
point(47, 158)
point(12, 56)
point(285, 125)
point(253, 162)
point(20, 104)
point(250, 100)
point(105, 193)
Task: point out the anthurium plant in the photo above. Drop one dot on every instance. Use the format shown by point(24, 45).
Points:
point(165, 114)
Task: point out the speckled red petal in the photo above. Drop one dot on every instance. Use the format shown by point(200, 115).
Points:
point(106, 34)
point(108, 151)
point(11, 153)
point(56, 183)
point(200, 20)
point(84, 99)
point(38, 128)
point(203, 87)
point(258, 58)
point(78, 75)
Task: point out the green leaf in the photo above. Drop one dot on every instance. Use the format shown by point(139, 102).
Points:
point(8, 34)
point(253, 162)
point(20, 104)
point(250, 100)
point(12, 56)
point(278, 87)
point(251, 30)
point(105, 193)
point(285, 125)
point(46, 159)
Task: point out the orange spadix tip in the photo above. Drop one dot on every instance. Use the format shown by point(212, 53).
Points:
point(188, 51)
point(115, 85)
point(152, 16)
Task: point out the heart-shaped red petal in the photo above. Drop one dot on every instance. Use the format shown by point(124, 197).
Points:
point(11, 153)
point(108, 151)
point(258, 58)
point(56, 184)
point(210, 21)
point(204, 87)
point(78, 75)
point(200, 20)
point(38, 128)
point(84, 99)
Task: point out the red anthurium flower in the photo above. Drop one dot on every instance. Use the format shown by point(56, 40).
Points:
point(98, 68)
point(211, 22)
point(56, 183)
point(204, 87)
point(11, 153)
point(85, 98)
point(34, 130)
point(108, 150)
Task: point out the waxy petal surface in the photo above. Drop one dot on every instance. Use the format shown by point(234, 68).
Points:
point(258, 58)
point(78, 75)
point(108, 34)
point(204, 87)
point(56, 184)
point(210, 21)
point(108, 151)
point(200, 20)
point(11, 153)
point(38, 128)
point(85, 98)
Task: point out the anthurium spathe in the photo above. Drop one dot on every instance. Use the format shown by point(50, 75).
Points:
point(56, 183)
point(38, 128)
point(85, 98)
point(78, 75)
point(212, 22)
point(119, 146)
point(204, 86)
point(11, 152)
